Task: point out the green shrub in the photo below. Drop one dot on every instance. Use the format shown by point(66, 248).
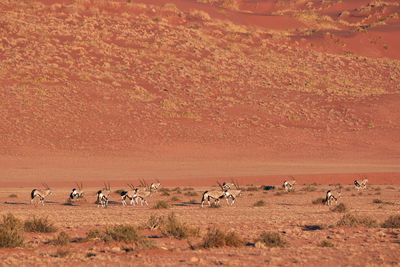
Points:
point(41, 225)
point(11, 232)
point(272, 239)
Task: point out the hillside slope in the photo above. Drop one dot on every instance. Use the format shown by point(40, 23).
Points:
point(126, 78)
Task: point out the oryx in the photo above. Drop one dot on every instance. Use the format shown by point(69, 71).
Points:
point(288, 185)
point(216, 195)
point(361, 184)
point(131, 194)
point(76, 195)
point(332, 196)
point(103, 195)
point(41, 193)
point(231, 193)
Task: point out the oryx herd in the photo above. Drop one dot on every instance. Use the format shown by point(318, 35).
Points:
point(143, 191)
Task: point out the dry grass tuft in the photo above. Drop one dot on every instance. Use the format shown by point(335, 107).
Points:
point(127, 234)
point(339, 208)
point(325, 244)
point(259, 203)
point(272, 239)
point(171, 226)
point(39, 225)
point(354, 220)
point(216, 238)
point(319, 201)
point(11, 232)
point(161, 204)
point(62, 239)
point(392, 222)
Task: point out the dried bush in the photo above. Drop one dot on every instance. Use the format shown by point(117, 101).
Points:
point(13, 196)
point(353, 220)
point(325, 244)
point(62, 253)
point(62, 239)
point(11, 232)
point(259, 203)
point(175, 199)
point(170, 226)
point(272, 239)
point(377, 201)
point(392, 222)
point(318, 201)
point(216, 238)
point(127, 234)
point(252, 188)
point(191, 194)
point(41, 225)
point(339, 208)
point(161, 204)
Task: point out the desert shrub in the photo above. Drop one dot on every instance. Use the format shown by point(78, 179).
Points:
point(191, 194)
point(215, 205)
point(127, 234)
point(199, 14)
point(62, 239)
point(11, 232)
point(13, 196)
point(41, 225)
point(170, 226)
point(377, 188)
point(268, 187)
point(390, 187)
point(93, 233)
point(392, 222)
point(62, 253)
point(175, 199)
point(154, 222)
point(339, 208)
point(259, 203)
point(119, 191)
point(309, 188)
point(272, 239)
point(353, 220)
point(165, 193)
point(377, 201)
point(161, 204)
point(252, 188)
point(280, 193)
point(318, 201)
point(325, 244)
point(164, 189)
point(188, 189)
point(216, 238)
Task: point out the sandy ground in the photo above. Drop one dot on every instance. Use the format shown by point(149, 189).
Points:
point(302, 224)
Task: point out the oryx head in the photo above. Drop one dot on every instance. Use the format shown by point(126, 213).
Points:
point(47, 189)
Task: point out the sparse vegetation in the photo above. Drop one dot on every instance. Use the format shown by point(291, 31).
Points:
point(62, 253)
point(271, 239)
point(354, 220)
point(325, 244)
point(377, 201)
point(252, 188)
point(319, 201)
point(11, 232)
point(161, 204)
point(392, 222)
point(170, 226)
point(215, 238)
point(127, 234)
point(41, 225)
point(339, 208)
point(191, 194)
point(13, 196)
point(62, 239)
point(259, 203)
point(175, 199)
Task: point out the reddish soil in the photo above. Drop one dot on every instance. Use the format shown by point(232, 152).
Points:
point(192, 92)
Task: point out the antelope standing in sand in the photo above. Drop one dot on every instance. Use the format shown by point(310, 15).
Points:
point(131, 194)
point(231, 193)
point(214, 194)
point(144, 191)
point(332, 196)
point(289, 185)
point(361, 184)
point(103, 195)
point(76, 195)
point(41, 194)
